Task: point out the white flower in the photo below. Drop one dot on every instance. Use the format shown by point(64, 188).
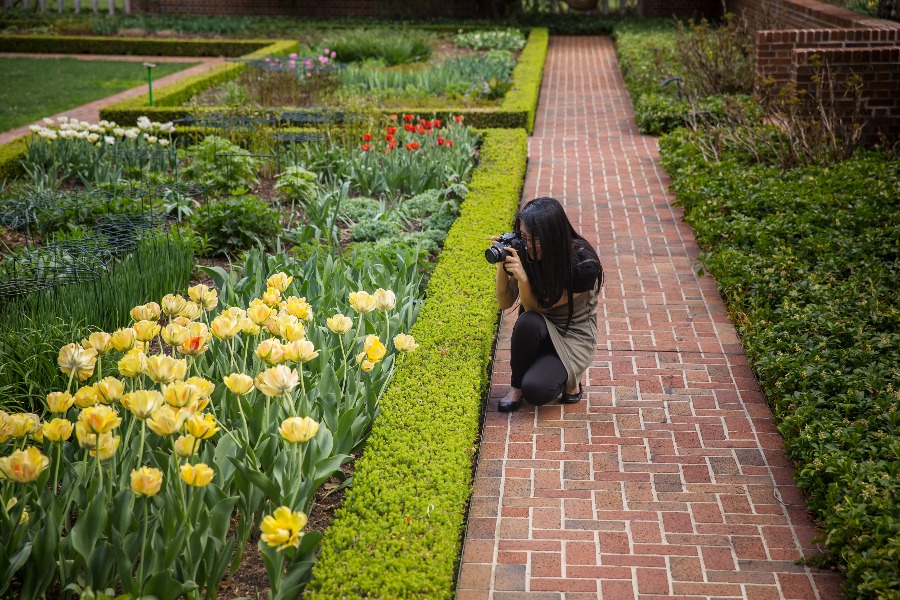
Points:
point(118, 131)
point(63, 119)
point(164, 142)
point(109, 140)
point(152, 139)
point(144, 123)
point(131, 134)
point(83, 135)
point(92, 137)
point(35, 128)
point(167, 127)
point(48, 121)
point(85, 124)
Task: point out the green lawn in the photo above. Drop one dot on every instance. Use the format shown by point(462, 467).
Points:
point(39, 87)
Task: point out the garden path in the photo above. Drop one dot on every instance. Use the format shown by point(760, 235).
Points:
point(670, 478)
point(91, 111)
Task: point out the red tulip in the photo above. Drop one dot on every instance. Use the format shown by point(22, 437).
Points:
point(440, 141)
point(367, 137)
point(366, 147)
point(412, 146)
point(458, 118)
point(388, 138)
point(436, 123)
point(449, 143)
point(407, 118)
point(391, 130)
point(392, 117)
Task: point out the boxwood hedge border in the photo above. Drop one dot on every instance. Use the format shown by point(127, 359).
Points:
point(81, 44)
point(399, 531)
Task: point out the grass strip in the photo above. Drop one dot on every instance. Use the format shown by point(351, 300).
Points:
point(399, 532)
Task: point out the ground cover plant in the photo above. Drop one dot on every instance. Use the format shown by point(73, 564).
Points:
point(64, 83)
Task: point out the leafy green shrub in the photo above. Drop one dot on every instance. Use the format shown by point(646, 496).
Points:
point(373, 229)
point(807, 261)
point(145, 47)
point(656, 114)
point(496, 39)
point(219, 164)
point(354, 210)
point(392, 47)
point(296, 183)
point(237, 223)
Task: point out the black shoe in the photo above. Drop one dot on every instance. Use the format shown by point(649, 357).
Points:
point(509, 406)
point(572, 398)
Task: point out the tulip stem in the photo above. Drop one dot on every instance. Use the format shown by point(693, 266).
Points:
point(346, 367)
point(71, 377)
point(143, 548)
point(56, 468)
point(240, 404)
point(140, 459)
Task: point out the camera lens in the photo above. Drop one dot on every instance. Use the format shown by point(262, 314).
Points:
point(495, 254)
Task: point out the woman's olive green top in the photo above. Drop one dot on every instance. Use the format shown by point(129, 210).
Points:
point(577, 345)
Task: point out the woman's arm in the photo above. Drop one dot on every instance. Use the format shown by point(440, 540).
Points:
point(506, 288)
point(513, 265)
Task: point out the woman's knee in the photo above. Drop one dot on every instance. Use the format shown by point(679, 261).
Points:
point(529, 326)
point(537, 389)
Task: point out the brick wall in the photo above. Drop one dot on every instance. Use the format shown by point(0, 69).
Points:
point(800, 14)
point(313, 9)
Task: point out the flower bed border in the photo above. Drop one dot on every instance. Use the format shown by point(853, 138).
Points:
point(517, 110)
point(80, 44)
point(399, 532)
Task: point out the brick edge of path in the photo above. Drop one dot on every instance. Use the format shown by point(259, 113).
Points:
point(670, 479)
point(91, 111)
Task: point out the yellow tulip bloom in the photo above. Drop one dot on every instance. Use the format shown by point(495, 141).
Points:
point(146, 330)
point(271, 296)
point(298, 307)
point(202, 426)
point(86, 397)
point(59, 402)
point(191, 311)
point(109, 389)
point(186, 445)
point(238, 383)
point(123, 339)
point(106, 447)
point(339, 323)
point(180, 394)
point(362, 302)
point(291, 332)
point(172, 304)
point(174, 334)
point(194, 346)
point(146, 312)
point(225, 328)
point(374, 349)
point(205, 296)
point(300, 351)
point(166, 420)
point(282, 528)
point(146, 481)
point(270, 351)
point(99, 419)
point(384, 299)
point(76, 361)
point(23, 466)
point(142, 403)
point(277, 381)
point(99, 341)
point(198, 475)
point(405, 343)
point(364, 363)
point(279, 281)
point(58, 430)
point(132, 364)
point(249, 327)
point(259, 313)
point(298, 430)
point(19, 425)
point(85, 438)
point(205, 387)
point(165, 369)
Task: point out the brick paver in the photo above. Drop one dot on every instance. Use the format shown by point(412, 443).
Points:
point(91, 111)
point(670, 480)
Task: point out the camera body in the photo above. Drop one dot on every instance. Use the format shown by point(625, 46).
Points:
point(504, 247)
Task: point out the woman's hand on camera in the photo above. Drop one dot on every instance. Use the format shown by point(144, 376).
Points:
point(513, 265)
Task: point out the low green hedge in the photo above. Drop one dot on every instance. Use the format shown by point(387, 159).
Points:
point(517, 110)
point(807, 261)
point(399, 532)
point(80, 44)
point(11, 154)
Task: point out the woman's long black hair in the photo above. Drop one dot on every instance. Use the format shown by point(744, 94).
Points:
point(550, 277)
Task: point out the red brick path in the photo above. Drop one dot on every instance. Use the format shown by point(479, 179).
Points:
point(670, 480)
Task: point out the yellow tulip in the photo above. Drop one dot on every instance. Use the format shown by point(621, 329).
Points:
point(202, 426)
point(205, 296)
point(282, 528)
point(86, 397)
point(298, 307)
point(339, 323)
point(123, 339)
point(58, 430)
point(300, 351)
point(142, 403)
point(249, 327)
point(277, 381)
point(298, 430)
point(205, 387)
point(186, 445)
point(235, 313)
point(23, 466)
point(172, 304)
point(85, 438)
point(146, 312)
point(109, 389)
point(76, 361)
point(174, 334)
point(59, 402)
point(225, 328)
point(166, 420)
point(374, 349)
point(99, 419)
point(107, 445)
point(279, 281)
point(271, 296)
point(238, 383)
point(146, 481)
point(362, 302)
point(291, 332)
point(270, 351)
point(133, 363)
point(180, 394)
point(146, 330)
point(99, 341)
point(191, 311)
point(165, 369)
point(9, 506)
point(19, 425)
point(405, 343)
point(194, 346)
point(198, 475)
point(259, 313)
point(364, 363)
point(384, 299)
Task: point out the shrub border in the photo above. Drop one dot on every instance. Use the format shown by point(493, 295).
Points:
point(11, 155)
point(399, 532)
point(80, 44)
point(517, 110)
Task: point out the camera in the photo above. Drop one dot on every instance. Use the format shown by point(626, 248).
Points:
point(501, 249)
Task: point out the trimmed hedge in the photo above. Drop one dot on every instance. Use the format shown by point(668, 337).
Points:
point(79, 44)
point(399, 532)
point(11, 154)
point(517, 110)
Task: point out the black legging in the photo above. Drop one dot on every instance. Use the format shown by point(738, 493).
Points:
point(536, 368)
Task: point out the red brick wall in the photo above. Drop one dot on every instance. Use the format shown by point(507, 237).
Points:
point(314, 9)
